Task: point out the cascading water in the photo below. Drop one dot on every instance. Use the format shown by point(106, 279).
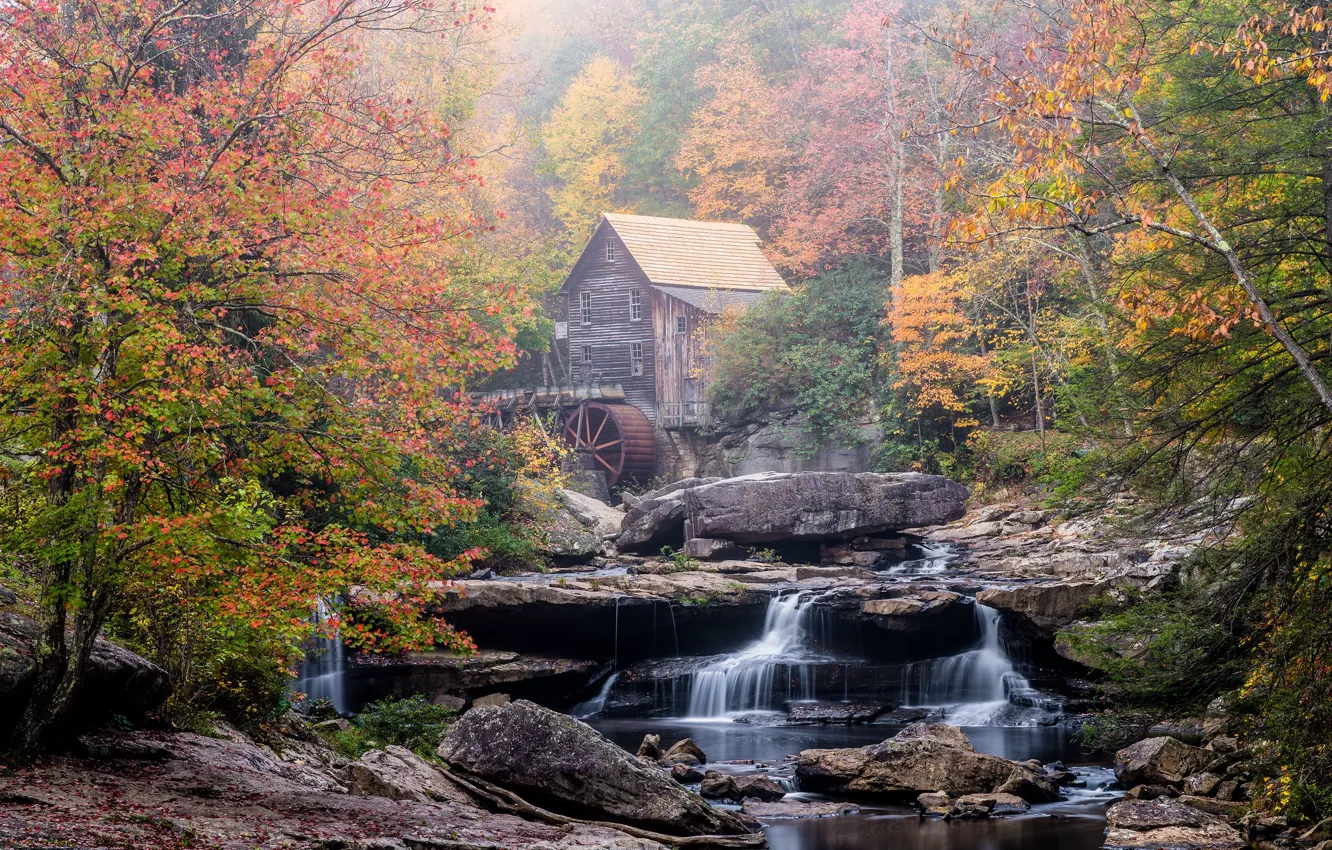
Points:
point(323, 674)
point(592, 707)
point(744, 681)
point(972, 686)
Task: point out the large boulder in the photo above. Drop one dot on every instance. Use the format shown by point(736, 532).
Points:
point(921, 611)
point(1167, 823)
point(593, 513)
point(792, 506)
point(922, 757)
point(117, 681)
point(1159, 761)
point(562, 764)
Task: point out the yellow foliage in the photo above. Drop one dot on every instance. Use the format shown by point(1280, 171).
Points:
point(585, 141)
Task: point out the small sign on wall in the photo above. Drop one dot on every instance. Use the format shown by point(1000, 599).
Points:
point(561, 330)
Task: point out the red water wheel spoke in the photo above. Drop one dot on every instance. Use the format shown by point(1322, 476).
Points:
point(618, 437)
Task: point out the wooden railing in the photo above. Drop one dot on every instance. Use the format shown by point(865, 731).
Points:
point(687, 414)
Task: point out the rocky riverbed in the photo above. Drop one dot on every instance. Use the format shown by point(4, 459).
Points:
point(872, 682)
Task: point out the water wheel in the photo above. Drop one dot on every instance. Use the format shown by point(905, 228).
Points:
point(616, 439)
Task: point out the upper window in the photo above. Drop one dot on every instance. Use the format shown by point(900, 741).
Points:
point(587, 354)
point(585, 307)
point(610, 250)
point(681, 325)
point(635, 305)
point(635, 358)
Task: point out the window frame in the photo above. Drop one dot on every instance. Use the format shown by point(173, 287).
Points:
point(586, 359)
point(636, 359)
point(585, 308)
point(635, 305)
point(612, 252)
point(681, 325)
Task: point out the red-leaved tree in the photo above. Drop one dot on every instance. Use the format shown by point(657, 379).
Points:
point(229, 344)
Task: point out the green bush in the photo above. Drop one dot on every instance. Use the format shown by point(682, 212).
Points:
point(817, 346)
point(413, 722)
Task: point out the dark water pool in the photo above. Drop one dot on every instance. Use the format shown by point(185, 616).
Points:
point(1074, 824)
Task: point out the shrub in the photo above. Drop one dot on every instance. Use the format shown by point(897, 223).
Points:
point(413, 722)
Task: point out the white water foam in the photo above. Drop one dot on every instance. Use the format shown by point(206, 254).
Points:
point(744, 681)
point(969, 688)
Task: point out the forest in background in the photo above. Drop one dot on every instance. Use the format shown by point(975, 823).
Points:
point(1105, 222)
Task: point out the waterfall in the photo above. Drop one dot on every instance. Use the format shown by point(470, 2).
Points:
point(744, 681)
point(971, 686)
point(592, 707)
point(323, 674)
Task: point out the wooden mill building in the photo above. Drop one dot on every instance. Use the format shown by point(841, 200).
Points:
point(638, 303)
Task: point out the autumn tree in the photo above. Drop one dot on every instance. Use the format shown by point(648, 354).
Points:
point(585, 140)
point(736, 152)
point(229, 337)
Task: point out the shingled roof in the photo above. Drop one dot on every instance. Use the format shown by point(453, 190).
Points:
point(678, 252)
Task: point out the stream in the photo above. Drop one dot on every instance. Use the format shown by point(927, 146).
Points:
point(734, 707)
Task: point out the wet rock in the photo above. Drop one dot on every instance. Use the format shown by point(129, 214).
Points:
point(1220, 808)
point(717, 785)
point(710, 549)
point(1188, 733)
point(935, 804)
point(1047, 606)
point(567, 765)
point(650, 748)
point(1165, 823)
point(684, 751)
point(920, 611)
point(1201, 784)
point(757, 788)
point(117, 681)
point(1223, 744)
point(595, 514)
point(1032, 786)
point(811, 713)
point(1151, 792)
point(989, 805)
point(1156, 761)
point(485, 671)
point(922, 757)
point(450, 701)
point(786, 809)
point(654, 522)
point(399, 774)
point(686, 774)
point(1228, 790)
point(721, 786)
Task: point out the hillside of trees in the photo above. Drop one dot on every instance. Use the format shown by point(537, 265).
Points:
point(254, 253)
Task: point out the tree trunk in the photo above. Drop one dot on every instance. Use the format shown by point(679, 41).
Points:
point(1217, 242)
point(895, 176)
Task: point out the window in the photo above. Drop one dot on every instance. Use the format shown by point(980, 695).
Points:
point(587, 354)
point(635, 358)
point(635, 305)
point(681, 325)
point(610, 250)
point(585, 305)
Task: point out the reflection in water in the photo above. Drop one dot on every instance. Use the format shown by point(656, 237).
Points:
point(903, 829)
point(723, 740)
